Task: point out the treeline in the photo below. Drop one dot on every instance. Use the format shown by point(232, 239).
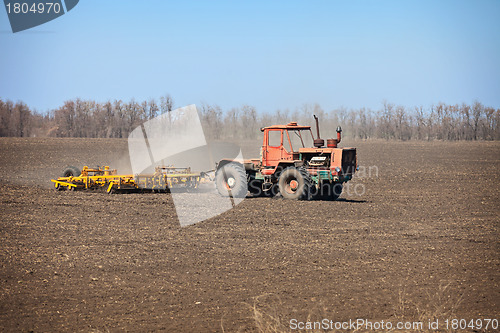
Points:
point(80, 118)
point(90, 119)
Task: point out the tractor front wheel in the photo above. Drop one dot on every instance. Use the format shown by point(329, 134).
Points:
point(231, 180)
point(295, 183)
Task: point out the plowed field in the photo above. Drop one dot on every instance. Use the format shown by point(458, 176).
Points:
point(416, 238)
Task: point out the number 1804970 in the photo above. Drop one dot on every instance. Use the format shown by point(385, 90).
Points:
point(478, 324)
point(35, 8)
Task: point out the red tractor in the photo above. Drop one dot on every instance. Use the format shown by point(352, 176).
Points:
point(292, 163)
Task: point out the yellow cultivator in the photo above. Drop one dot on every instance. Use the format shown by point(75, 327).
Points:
point(163, 179)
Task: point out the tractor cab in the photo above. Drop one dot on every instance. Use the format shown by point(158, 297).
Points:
point(282, 143)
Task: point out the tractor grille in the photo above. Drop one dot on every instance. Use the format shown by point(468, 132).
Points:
point(348, 161)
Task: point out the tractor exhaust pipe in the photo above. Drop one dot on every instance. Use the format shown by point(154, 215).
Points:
point(332, 143)
point(318, 143)
point(317, 126)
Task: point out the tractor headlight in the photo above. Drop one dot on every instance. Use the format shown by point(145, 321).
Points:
point(337, 169)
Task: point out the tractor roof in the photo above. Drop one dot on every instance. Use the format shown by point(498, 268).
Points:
point(293, 126)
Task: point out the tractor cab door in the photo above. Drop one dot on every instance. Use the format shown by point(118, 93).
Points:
point(272, 148)
point(291, 145)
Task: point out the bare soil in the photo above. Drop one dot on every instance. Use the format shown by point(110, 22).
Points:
point(421, 241)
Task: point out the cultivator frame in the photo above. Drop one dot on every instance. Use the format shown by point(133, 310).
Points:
point(104, 178)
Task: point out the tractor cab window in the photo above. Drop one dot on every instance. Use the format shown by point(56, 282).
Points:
point(274, 138)
point(299, 139)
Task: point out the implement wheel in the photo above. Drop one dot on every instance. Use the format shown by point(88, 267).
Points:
point(231, 180)
point(295, 184)
point(71, 171)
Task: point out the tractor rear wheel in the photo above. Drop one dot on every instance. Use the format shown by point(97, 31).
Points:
point(231, 180)
point(71, 171)
point(295, 184)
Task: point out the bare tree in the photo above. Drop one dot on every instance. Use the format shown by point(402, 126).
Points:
point(109, 121)
point(231, 123)
point(6, 115)
point(166, 103)
point(386, 121)
point(211, 119)
point(65, 119)
point(477, 111)
point(249, 122)
point(22, 117)
point(120, 114)
point(153, 109)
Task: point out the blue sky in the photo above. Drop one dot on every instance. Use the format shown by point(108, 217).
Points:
point(269, 54)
